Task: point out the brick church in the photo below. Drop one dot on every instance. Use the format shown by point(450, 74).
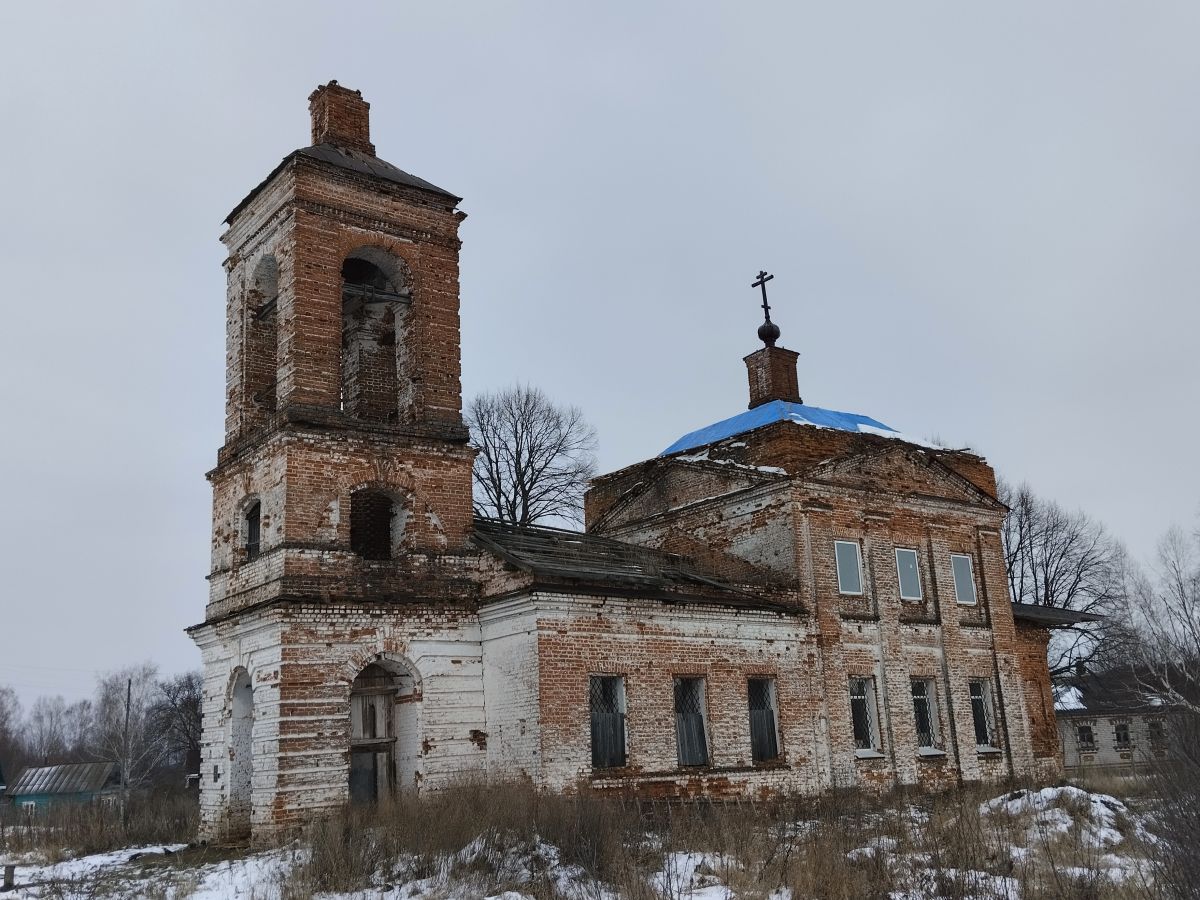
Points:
point(789, 600)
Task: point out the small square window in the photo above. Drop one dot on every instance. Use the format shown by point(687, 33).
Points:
point(849, 567)
point(909, 574)
point(964, 579)
point(862, 716)
point(924, 697)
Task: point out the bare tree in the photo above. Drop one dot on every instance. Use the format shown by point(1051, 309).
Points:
point(46, 730)
point(535, 458)
point(176, 717)
point(1067, 560)
point(12, 748)
point(123, 725)
point(1166, 614)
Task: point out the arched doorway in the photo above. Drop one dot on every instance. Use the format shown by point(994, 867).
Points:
point(383, 732)
point(241, 752)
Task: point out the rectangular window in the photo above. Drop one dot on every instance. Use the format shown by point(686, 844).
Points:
point(1086, 737)
point(608, 721)
point(253, 531)
point(849, 567)
point(1122, 732)
point(964, 579)
point(691, 737)
point(1156, 731)
point(764, 736)
point(924, 697)
point(908, 574)
point(981, 712)
point(862, 715)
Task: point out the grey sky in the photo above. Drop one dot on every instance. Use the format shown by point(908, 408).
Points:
point(982, 220)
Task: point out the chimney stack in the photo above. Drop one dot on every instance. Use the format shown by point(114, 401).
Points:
point(772, 372)
point(341, 117)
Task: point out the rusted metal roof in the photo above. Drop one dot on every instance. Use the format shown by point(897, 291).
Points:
point(559, 555)
point(80, 778)
point(346, 158)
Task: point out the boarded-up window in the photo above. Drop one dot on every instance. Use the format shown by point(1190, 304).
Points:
point(372, 734)
point(607, 701)
point(690, 732)
point(764, 737)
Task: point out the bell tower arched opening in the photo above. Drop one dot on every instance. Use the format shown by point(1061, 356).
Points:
point(261, 338)
point(375, 299)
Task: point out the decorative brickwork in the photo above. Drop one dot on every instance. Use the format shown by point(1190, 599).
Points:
point(363, 635)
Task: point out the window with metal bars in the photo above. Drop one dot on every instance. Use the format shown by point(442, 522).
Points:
point(607, 701)
point(981, 713)
point(253, 530)
point(764, 736)
point(371, 515)
point(862, 714)
point(924, 699)
point(690, 726)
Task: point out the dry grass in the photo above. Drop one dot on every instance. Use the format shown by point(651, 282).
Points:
point(79, 828)
point(849, 846)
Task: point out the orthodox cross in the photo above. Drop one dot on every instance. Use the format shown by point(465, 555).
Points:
point(768, 331)
point(763, 278)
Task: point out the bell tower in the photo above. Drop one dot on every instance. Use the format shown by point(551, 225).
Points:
point(342, 354)
point(344, 482)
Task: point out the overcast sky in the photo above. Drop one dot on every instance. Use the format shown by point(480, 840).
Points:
point(982, 219)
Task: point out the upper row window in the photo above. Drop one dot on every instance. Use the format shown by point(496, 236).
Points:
point(908, 573)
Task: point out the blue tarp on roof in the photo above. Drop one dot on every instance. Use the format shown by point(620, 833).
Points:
point(778, 411)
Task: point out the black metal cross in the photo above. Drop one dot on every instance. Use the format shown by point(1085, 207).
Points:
point(763, 278)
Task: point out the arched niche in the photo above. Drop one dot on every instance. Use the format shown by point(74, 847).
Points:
point(260, 339)
point(241, 753)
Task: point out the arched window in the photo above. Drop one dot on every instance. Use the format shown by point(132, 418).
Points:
point(259, 348)
point(374, 300)
point(373, 524)
point(241, 753)
point(253, 530)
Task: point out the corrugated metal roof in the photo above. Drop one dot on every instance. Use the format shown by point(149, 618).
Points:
point(781, 411)
point(345, 158)
point(80, 778)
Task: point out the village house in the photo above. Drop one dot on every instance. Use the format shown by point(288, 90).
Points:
point(1110, 720)
point(790, 600)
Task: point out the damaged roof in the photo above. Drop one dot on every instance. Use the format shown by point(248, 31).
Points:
point(783, 411)
point(353, 160)
point(80, 778)
point(1052, 616)
point(556, 554)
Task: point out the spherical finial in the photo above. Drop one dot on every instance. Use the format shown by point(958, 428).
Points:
point(768, 333)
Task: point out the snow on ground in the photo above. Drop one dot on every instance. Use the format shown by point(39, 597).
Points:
point(1109, 833)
